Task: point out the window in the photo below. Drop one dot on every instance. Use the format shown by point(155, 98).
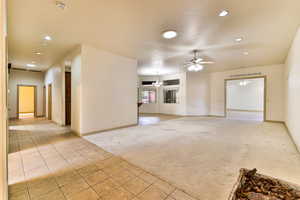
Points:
point(148, 95)
point(171, 95)
point(147, 83)
point(172, 82)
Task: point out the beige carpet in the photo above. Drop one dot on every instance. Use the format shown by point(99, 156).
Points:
point(204, 155)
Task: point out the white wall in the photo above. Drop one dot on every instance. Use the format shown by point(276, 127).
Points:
point(108, 90)
point(204, 93)
point(18, 77)
point(292, 90)
point(245, 97)
point(76, 92)
point(197, 93)
point(274, 96)
point(55, 76)
point(3, 101)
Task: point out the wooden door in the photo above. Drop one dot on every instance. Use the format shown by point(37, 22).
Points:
point(68, 97)
point(50, 102)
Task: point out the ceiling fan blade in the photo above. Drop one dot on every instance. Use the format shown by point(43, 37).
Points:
point(188, 63)
point(197, 60)
point(206, 62)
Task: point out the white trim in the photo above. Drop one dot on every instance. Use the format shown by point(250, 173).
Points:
point(3, 102)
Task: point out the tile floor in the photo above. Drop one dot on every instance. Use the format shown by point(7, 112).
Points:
point(47, 162)
point(26, 115)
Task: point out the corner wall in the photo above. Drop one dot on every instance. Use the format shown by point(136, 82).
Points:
point(108, 90)
point(103, 90)
point(292, 90)
point(55, 76)
point(76, 93)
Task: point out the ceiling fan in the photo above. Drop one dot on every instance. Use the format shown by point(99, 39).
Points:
point(196, 63)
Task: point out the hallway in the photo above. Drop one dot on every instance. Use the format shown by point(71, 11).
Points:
point(47, 162)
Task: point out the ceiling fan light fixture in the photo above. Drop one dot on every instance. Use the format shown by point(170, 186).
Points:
point(196, 63)
point(198, 68)
point(170, 34)
point(195, 68)
point(191, 68)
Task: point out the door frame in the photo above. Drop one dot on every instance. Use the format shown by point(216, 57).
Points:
point(242, 78)
point(49, 101)
point(44, 101)
point(35, 98)
point(68, 124)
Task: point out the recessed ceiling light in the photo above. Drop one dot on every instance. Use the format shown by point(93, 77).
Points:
point(169, 34)
point(223, 13)
point(38, 53)
point(238, 39)
point(47, 37)
point(246, 53)
point(30, 65)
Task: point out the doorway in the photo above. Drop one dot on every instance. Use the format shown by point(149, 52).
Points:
point(26, 102)
point(50, 102)
point(68, 97)
point(245, 98)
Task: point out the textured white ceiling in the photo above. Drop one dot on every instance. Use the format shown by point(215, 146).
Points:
point(133, 28)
